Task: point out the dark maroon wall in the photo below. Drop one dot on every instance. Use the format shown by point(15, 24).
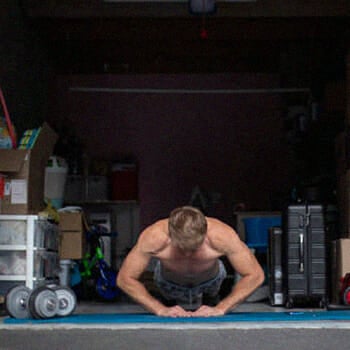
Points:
point(24, 68)
point(231, 143)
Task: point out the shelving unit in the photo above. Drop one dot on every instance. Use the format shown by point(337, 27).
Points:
point(28, 251)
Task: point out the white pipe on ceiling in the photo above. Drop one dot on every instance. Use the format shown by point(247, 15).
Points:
point(190, 91)
point(169, 1)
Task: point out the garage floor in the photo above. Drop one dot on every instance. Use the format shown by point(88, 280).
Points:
point(318, 335)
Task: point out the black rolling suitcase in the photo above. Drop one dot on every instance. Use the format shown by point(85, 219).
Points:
point(305, 255)
point(274, 262)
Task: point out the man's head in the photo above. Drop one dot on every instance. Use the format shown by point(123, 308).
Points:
point(187, 228)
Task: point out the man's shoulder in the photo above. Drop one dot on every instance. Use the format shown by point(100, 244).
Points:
point(220, 234)
point(216, 225)
point(155, 236)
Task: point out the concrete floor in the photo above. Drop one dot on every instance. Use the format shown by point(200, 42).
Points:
point(245, 335)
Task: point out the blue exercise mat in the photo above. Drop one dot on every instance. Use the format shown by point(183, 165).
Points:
point(232, 317)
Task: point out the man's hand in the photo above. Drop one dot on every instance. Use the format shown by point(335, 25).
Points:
point(174, 311)
point(207, 311)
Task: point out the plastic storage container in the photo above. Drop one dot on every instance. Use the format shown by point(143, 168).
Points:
point(74, 189)
point(97, 188)
point(257, 231)
point(64, 275)
point(28, 251)
point(55, 180)
point(45, 264)
point(15, 232)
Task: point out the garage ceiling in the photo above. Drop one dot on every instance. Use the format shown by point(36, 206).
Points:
point(301, 40)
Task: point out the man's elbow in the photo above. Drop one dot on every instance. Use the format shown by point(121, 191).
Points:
point(260, 277)
point(120, 281)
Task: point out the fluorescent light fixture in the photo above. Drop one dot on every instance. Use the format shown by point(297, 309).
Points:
point(202, 6)
point(195, 6)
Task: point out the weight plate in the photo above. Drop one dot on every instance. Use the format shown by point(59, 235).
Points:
point(16, 301)
point(31, 304)
point(67, 300)
point(43, 303)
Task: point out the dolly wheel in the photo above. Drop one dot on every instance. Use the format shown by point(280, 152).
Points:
point(289, 304)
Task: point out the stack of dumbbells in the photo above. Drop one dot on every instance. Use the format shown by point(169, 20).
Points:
point(43, 302)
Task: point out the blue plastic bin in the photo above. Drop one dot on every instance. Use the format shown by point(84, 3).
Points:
point(257, 231)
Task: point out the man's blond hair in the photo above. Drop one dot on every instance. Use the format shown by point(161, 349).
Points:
point(187, 228)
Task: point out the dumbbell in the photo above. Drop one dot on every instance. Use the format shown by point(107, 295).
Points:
point(16, 300)
point(41, 303)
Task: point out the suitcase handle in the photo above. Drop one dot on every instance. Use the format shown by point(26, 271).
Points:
point(301, 252)
point(304, 220)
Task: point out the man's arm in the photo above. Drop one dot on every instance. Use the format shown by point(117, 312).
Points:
point(252, 276)
point(134, 265)
point(244, 263)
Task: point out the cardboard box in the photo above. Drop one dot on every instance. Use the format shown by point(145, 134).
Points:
point(72, 245)
point(72, 235)
point(71, 221)
point(24, 171)
point(340, 266)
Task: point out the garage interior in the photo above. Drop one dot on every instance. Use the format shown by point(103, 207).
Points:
point(269, 60)
point(244, 106)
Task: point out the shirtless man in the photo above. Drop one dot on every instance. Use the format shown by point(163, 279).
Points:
point(188, 246)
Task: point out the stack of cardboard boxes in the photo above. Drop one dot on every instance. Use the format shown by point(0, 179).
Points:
point(23, 172)
point(22, 189)
point(72, 236)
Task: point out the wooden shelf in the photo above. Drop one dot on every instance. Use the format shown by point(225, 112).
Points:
point(102, 202)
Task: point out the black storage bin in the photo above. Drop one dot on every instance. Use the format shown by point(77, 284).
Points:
point(274, 261)
point(305, 255)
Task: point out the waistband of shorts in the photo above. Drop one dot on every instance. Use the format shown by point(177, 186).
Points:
point(220, 275)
